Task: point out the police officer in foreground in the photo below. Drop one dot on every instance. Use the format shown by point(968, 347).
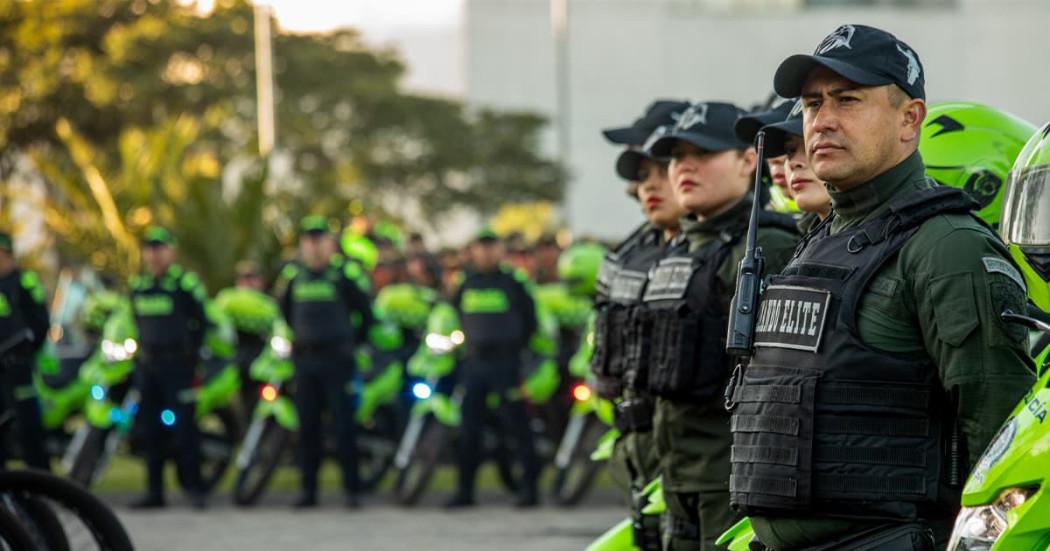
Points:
point(498, 317)
point(687, 305)
point(619, 361)
point(329, 313)
point(22, 307)
point(168, 306)
point(881, 367)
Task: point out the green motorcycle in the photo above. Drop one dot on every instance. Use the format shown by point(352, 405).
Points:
point(428, 439)
point(113, 401)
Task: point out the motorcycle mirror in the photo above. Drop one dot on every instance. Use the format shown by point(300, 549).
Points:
point(1027, 321)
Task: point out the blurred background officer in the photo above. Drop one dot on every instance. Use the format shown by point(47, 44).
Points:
point(328, 313)
point(168, 305)
point(498, 316)
point(22, 306)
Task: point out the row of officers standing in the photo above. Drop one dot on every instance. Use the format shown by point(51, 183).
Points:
point(881, 368)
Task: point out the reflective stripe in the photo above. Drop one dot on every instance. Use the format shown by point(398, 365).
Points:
point(763, 485)
point(872, 396)
point(904, 457)
point(787, 394)
point(764, 454)
point(878, 427)
point(868, 485)
point(765, 423)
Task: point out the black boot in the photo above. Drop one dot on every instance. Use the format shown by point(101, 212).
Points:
point(460, 501)
point(528, 497)
point(306, 501)
point(148, 502)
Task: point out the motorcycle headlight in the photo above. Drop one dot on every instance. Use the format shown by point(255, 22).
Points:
point(114, 351)
point(281, 347)
point(978, 528)
point(439, 344)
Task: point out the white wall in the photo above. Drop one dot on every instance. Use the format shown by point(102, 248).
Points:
point(624, 53)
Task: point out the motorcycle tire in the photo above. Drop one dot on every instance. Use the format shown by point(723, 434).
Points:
point(414, 478)
point(41, 521)
point(253, 480)
point(90, 456)
point(13, 533)
point(70, 500)
point(573, 481)
point(218, 438)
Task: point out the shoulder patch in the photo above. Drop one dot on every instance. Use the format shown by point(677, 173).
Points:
point(31, 283)
point(996, 265)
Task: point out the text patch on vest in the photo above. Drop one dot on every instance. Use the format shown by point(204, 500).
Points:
point(669, 279)
point(792, 317)
point(627, 287)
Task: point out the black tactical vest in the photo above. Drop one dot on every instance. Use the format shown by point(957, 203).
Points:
point(160, 312)
point(823, 424)
point(487, 314)
point(320, 309)
point(685, 316)
point(618, 341)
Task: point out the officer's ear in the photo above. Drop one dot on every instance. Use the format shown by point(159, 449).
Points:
point(912, 112)
point(748, 163)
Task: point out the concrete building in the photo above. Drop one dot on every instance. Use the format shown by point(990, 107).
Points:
point(623, 53)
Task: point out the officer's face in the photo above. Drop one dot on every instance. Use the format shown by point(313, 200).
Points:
point(809, 192)
point(855, 133)
point(707, 183)
point(315, 249)
point(158, 257)
point(486, 255)
point(7, 262)
point(776, 170)
point(658, 200)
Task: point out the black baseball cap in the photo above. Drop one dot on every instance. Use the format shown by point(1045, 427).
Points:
point(861, 54)
point(707, 125)
point(777, 133)
point(659, 113)
point(747, 126)
point(629, 163)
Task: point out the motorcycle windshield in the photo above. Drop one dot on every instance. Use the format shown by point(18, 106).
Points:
point(1026, 220)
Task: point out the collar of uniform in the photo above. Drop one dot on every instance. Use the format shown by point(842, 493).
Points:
point(700, 231)
point(871, 199)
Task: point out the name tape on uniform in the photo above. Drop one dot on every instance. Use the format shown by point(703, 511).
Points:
point(792, 317)
point(627, 286)
point(669, 279)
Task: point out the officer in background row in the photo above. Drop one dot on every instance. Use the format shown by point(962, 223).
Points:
point(22, 307)
point(329, 313)
point(687, 305)
point(498, 317)
point(168, 306)
point(620, 362)
point(881, 366)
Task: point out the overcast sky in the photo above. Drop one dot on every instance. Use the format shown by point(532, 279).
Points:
point(427, 32)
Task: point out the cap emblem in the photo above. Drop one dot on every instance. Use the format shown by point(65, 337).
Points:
point(913, 64)
point(697, 114)
point(840, 38)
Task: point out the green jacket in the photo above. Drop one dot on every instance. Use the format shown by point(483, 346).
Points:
point(940, 297)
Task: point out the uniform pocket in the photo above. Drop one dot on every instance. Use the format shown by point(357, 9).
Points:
point(955, 307)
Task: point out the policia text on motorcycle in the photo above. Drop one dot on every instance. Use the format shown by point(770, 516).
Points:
point(23, 324)
point(498, 317)
point(687, 302)
point(168, 306)
point(328, 313)
point(881, 366)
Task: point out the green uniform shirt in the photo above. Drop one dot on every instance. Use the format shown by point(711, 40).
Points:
point(940, 298)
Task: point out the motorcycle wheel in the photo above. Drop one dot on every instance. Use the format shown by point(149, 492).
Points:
point(376, 449)
point(90, 456)
point(40, 521)
point(218, 438)
point(13, 533)
point(574, 480)
point(253, 479)
point(413, 479)
point(86, 521)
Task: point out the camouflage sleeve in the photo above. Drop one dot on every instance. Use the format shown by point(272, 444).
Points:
point(961, 281)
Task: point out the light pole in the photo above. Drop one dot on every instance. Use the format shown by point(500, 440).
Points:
point(264, 79)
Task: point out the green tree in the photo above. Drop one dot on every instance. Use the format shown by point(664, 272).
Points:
point(149, 103)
